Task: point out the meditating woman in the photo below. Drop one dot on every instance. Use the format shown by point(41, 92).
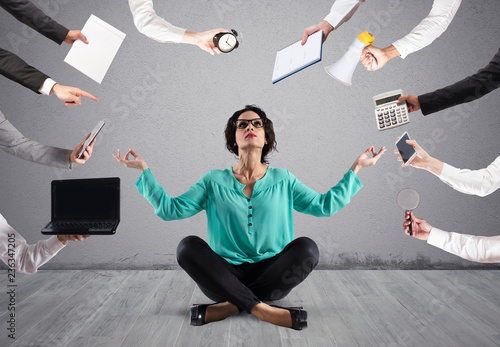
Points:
point(251, 255)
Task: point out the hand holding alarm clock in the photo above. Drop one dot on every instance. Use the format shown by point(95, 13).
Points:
point(226, 42)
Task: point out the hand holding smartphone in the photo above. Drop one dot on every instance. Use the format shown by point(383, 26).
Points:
point(406, 151)
point(91, 138)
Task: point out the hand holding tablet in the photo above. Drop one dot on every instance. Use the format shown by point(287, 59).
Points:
point(91, 138)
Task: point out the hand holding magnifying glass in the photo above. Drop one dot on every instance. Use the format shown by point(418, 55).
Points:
point(420, 227)
point(408, 199)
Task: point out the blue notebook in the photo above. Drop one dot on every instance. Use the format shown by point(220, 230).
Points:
point(297, 57)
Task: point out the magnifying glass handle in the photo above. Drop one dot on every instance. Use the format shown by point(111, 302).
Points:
point(411, 231)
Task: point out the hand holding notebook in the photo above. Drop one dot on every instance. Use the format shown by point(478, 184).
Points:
point(296, 57)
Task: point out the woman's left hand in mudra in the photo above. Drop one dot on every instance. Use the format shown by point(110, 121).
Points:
point(136, 163)
point(365, 160)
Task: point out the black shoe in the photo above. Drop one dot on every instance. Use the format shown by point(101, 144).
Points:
point(299, 316)
point(198, 314)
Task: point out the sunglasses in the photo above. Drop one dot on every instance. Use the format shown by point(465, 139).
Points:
point(243, 123)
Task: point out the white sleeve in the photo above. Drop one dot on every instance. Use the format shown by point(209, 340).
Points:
point(27, 258)
point(430, 28)
point(150, 24)
point(477, 182)
point(342, 11)
point(482, 249)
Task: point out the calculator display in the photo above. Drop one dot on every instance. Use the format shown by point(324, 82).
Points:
point(386, 100)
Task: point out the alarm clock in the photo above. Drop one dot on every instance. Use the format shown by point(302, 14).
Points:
point(226, 42)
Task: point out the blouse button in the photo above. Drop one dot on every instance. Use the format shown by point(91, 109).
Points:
point(250, 207)
point(250, 215)
point(249, 224)
point(249, 199)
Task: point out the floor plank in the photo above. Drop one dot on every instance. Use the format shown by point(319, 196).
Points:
point(66, 321)
point(173, 295)
point(27, 285)
point(394, 322)
point(116, 316)
point(454, 293)
point(348, 323)
point(361, 283)
point(154, 331)
point(345, 308)
point(308, 342)
point(248, 330)
point(52, 292)
point(96, 341)
point(432, 317)
point(477, 285)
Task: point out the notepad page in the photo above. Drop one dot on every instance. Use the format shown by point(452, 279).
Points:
point(95, 58)
point(296, 57)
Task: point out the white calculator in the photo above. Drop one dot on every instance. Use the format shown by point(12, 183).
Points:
point(388, 113)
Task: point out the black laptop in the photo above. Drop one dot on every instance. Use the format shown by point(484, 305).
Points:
point(85, 207)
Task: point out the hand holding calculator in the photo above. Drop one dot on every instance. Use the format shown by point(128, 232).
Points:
point(388, 113)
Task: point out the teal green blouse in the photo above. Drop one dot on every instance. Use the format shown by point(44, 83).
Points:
point(242, 229)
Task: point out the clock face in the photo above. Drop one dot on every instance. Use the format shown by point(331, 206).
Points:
point(227, 43)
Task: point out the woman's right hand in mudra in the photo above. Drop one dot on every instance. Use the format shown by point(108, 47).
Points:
point(136, 163)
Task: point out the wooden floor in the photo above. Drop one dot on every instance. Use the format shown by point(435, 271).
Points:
point(345, 307)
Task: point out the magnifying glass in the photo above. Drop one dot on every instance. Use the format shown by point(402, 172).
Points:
point(408, 199)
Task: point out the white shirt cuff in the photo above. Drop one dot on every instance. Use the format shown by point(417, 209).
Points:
point(437, 237)
point(448, 172)
point(176, 34)
point(54, 245)
point(400, 46)
point(334, 19)
point(46, 87)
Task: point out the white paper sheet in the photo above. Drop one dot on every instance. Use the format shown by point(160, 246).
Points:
point(297, 57)
point(95, 58)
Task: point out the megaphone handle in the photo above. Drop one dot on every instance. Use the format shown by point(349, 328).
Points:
point(374, 66)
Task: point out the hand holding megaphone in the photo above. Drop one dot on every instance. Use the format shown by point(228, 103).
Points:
point(372, 61)
point(343, 69)
point(381, 55)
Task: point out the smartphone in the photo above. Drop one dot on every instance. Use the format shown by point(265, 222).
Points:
point(406, 151)
point(91, 138)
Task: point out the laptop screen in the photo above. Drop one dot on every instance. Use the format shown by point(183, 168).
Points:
point(86, 199)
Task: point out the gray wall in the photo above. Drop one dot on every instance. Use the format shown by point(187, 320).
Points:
point(170, 102)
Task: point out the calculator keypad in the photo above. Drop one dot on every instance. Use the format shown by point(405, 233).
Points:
point(391, 116)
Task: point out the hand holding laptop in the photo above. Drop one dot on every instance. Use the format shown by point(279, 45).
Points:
point(82, 207)
point(86, 154)
point(65, 238)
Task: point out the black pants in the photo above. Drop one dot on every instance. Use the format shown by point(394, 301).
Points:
point(247, 284)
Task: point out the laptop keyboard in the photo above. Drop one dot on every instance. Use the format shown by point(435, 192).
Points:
point(84, 225)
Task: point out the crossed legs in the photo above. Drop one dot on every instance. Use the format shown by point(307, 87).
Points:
point(243, 287)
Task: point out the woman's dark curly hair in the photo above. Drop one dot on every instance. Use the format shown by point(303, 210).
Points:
point(230, 132)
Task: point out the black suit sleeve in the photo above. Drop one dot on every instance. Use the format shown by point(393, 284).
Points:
point(16, 69)
point(26, 12)
point(466, 90)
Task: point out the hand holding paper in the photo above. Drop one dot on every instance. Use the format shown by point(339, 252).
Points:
point(74, 35)
point(95, 58)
